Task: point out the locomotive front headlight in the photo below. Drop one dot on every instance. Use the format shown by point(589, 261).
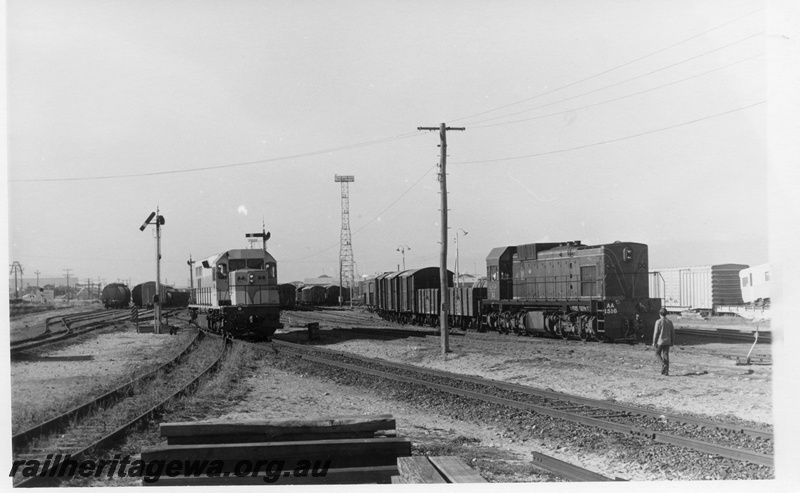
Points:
point(252, 279)
point(627, 254)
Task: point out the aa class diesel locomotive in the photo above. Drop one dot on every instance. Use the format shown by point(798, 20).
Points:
point(565, 290)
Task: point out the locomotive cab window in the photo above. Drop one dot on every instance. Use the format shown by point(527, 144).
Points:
point(270, 268)
point(222, 271)
point(255, 263)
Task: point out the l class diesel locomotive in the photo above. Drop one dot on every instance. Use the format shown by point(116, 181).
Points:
point(237, 292)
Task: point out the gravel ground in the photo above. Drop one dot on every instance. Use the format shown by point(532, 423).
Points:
point(47, 381)
point(702, 378)
point(27, 326)
point(702, 382)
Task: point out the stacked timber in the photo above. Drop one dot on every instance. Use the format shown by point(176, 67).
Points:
point(420, 469)
point(332, 450)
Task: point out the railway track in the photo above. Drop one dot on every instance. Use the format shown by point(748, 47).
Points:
point(709, 440)
point(100, 423)
point(356, 320)
point(726, 335)
point(70, 326)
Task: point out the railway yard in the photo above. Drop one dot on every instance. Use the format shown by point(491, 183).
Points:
point(496, 402)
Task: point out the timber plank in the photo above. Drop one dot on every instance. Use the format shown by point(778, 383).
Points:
point(455, 471)
point(257, 438)
point(324, 425)
point(353, 475)
point(286, 437)
point(418, 470)
point(344, 453)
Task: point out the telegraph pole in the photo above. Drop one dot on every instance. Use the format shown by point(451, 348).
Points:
point(190, 262)
point(445, 308)
point(16, 267)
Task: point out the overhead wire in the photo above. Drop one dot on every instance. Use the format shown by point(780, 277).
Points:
point(223, 166)
point(374, 218)
point(615, 99)
point(662, 129)
point(472, 125)
point(565, 86)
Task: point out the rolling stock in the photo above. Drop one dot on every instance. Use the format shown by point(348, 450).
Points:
point(143, 296)
point(703, 289)
point(287, 293)
point(571, 290)
point(562, 290)
point(755, 284)
point(237, 293)
point(115, 295)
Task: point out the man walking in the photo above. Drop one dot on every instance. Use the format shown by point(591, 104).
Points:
point(663, 337)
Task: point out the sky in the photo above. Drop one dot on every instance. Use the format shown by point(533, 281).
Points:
point(620, 120)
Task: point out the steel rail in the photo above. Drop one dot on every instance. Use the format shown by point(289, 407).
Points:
point(700, 422)
point(68, 333)
point(566, 470)
point(723, 451)
point(106, 441)
point(725, 334)
point(22, 439)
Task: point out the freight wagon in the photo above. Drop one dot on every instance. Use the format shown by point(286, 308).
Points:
point(702, 289)
point(397, 292)
point(116, 295)
point(143, 296)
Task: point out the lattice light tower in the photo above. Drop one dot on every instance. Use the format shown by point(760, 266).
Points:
point(345, 246)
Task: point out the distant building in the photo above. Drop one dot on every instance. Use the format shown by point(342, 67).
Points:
point(465, 280)
point(322, 280)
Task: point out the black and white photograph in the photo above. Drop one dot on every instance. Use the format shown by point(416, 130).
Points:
point(312, 244)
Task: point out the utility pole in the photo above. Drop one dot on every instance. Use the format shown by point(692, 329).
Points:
point(16, 267)
point(445, 309)
point(67, 276)
point(190, 262)
point(38, 293)
point(159, 221)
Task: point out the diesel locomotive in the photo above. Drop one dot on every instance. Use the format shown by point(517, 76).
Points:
point(571, 290)
point(237, 293)
point(566, 290)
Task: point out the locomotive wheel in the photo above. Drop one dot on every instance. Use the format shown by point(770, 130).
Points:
point(492, 320)
point(505, 323)
point(584, 334)
point(519, 324)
